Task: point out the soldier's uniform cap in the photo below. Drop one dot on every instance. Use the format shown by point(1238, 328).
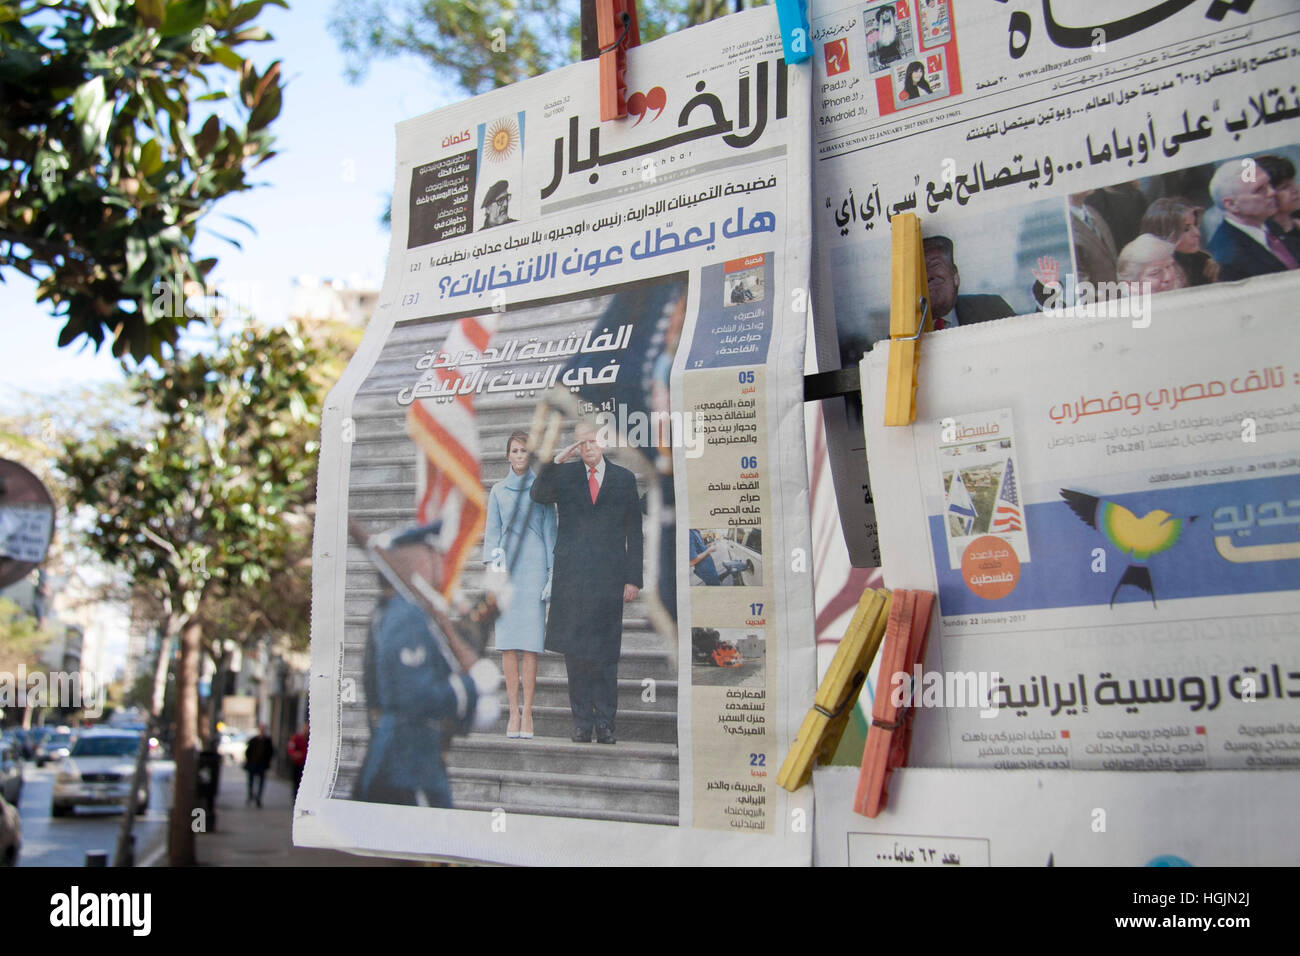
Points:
point(429, 535)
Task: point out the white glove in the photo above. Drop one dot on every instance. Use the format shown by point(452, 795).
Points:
point(546, 591)
point(486, 712)
point(486, 677)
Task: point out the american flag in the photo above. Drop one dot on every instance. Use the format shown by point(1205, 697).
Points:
point(449, 482)
point(960, 505)
point(1006, 512)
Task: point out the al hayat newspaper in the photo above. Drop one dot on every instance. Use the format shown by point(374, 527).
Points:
point(1109, 512)
point(1053, 151)
point(561, 441)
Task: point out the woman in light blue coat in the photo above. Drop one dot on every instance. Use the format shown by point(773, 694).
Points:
point(520, 537)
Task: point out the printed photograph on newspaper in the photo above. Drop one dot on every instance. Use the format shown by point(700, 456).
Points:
point(553, 606)
point(1078, 156)
point(1118, 569)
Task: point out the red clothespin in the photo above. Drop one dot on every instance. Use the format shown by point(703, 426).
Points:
point(890, 736)
point(616, 32)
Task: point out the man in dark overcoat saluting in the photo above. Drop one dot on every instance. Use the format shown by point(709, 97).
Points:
point(597, 569)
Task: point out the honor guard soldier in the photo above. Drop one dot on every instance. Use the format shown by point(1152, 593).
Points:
point(413, 685)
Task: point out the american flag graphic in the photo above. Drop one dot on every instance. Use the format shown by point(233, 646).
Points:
point(1006, 511)
point(449, 483)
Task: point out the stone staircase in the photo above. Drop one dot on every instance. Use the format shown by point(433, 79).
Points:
point(633, 780)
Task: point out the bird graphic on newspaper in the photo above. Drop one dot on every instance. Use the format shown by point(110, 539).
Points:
point(1139, 538)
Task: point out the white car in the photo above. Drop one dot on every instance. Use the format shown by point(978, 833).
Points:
point(232, 746)
point(98, 771)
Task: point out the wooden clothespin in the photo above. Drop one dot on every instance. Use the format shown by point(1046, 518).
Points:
point(792, 15)
point(909, 311)
point(889, 737)
point(824, 724)
point(616, 32)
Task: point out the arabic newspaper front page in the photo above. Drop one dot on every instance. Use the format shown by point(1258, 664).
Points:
point(1051, 151)
point(640, 286)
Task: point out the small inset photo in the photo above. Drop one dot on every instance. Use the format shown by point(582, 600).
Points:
point(890, 39)
point(739, 288)
point(728, 657)
point(920, 79)
point(726, 557)
point(971, 493)
point(936, 22)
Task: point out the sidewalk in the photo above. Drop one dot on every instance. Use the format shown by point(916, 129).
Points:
point(263, 836)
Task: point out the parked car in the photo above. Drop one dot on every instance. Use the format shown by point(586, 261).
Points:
point(98, 771)
point(11, 770)
point(11, 833)
point(54, 747)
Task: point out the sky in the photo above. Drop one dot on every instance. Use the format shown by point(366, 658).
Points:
point(317, 214)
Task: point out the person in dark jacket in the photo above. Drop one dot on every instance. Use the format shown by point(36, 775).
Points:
point(947, 308)
point(1242, 244)
point(257, 758)
point(597, 569)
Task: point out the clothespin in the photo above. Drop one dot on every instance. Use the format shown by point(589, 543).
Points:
point(792, 15)
point(909, 311)
point(616, 32)
point(824, 724)
point(889, 737)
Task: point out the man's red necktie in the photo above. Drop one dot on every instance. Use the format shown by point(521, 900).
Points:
point(1279, 249)
point(592, 484)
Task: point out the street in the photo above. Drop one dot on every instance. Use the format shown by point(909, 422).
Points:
point(65, 841)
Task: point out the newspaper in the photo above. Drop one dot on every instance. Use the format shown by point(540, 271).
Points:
point(648, 277)
point(1109, 513)
point(1041, 140)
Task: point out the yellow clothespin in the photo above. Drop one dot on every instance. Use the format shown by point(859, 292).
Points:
point(909, 310)
point(824, 724)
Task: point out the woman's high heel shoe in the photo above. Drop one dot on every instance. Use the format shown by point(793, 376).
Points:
point(512, 727)
point(527, 734)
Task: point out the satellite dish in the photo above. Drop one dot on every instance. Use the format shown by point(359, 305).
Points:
point(26, 522)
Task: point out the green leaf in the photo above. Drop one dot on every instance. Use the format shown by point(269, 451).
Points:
point(150, 158)
point(206, 140)
point(93, 113)
point(183, 16)
point(50, 168)
point(137, 253)
point(151, 12)
point(251, 35)
point(268, 108)
point(243, 13)
point(104, 12)
point(226, 57)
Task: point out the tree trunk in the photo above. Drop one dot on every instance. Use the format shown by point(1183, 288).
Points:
point(185, 748)
point(218, 694)
point(125, 854)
